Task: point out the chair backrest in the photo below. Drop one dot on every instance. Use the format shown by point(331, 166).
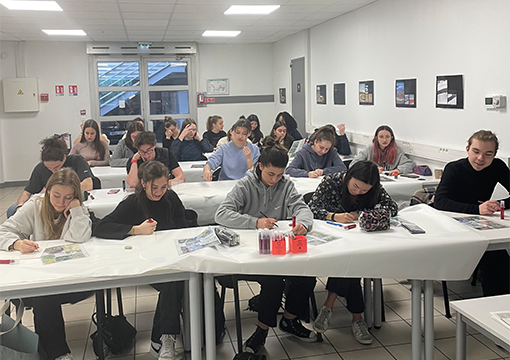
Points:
point(191, 218)
point(216, 174)
point(307, 197)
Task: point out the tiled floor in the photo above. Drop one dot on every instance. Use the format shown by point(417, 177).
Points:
point(392, 341)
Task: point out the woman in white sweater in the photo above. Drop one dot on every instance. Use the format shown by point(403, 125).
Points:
point(59, 214)
point(91, 146)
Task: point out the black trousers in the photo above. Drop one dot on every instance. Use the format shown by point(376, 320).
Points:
point(271, 290)
point(49, 321)
point(495, 268)
point(168, 310)
point(350, 289)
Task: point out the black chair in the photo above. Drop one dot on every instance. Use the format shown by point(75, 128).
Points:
point(216, 174)
point(307, 197)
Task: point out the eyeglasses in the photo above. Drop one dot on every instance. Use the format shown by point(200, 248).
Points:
point(149, 151)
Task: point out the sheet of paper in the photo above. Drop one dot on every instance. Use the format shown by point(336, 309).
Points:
point(16, 255)
point(499, 192)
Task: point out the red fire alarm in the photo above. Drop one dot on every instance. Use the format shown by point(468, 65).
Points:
point(83, 112)
point(45, 97)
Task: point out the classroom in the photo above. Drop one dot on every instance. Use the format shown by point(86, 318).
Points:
point(324, 61)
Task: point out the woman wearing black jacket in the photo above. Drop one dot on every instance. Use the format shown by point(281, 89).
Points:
point(152, 206)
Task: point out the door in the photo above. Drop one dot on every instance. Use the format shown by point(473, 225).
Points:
point(298, 93)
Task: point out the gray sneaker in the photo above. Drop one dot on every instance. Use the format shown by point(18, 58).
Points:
point(67, 356)
point(321, 324)
point(360, 332)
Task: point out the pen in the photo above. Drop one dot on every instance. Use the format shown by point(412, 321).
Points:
point(7, 262)
point(293, 222)
point(267, 217)
point(346, 227)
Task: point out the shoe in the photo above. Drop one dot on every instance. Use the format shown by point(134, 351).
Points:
point(65, 357)
point(155, 347)
point(360, 332)
point(297, 329)
point(321, 323)
point(255, 341)
point(167, 351)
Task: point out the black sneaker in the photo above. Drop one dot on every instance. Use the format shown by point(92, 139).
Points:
point(256, 341)
point(297, 329)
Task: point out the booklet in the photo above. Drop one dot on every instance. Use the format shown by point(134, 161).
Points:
point(197, 166)
point(479, 223)
point(206, 239)
point(502, 317)
point(61, 253)
point(317, 238)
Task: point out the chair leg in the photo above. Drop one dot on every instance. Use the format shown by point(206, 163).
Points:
point(313, 304)
point(383, 310)
point(237, 308)
point(446, 301)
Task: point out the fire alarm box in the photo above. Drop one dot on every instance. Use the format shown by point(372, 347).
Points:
point(21, 95)
point(495, 101)
point(45, 97)
point(201, 98)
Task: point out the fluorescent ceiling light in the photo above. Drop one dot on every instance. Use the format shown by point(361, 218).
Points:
point(31, 5)
point(251, 9)
point(66, 32)
point(221, 33)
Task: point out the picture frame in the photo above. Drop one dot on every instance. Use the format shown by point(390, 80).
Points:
point(405, 93)
point(366, 92)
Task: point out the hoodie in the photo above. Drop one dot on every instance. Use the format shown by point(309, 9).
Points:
point(244, 203)
point(307, 160)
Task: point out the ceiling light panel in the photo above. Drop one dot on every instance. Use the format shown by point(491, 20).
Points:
point(251, 9)
point(222, 33)
point(66, 32)
point(31, 5)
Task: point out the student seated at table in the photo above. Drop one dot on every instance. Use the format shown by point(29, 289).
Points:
point(152, 207)
point(189, 145)
point(53, 158)
point(385, 152)
point(256, 136)
point(126, 146)
point(80, 137)
point(235, 157)
point(59, 214)
point(280, 134)
point(94, 150)
point(171, 132)
point(466, 187)
point(339, 197)
point(214, 130)
point(264, 190)
point(290, 123)
point(224, 140)
point(145, 142)
point(317, 157)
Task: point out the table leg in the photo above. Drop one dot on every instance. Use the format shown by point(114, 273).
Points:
point(460, 338)
point(367, 286)
point(210, 330)
point(194, 297)
point(429, 319)
point(377, 303)
point(185, 318)
point(416, 318)
point(100, 318)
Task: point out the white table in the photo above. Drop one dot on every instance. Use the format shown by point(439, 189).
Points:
point(476, 313)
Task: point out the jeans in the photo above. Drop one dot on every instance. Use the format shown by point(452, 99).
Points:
point(168, 310)
point(11, 210)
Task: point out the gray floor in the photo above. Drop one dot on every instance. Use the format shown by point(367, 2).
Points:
point(391, 341)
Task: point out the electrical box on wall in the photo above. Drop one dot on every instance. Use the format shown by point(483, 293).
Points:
point(21, 95)
point(495, 101)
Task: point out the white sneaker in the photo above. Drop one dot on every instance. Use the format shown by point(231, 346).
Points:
point(65, 357)
point(321, 324)
point(360, 332)
point(167, 351)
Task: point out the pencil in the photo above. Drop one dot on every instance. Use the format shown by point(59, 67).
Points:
point(267, 217)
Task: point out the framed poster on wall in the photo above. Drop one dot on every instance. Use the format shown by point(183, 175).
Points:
point(283, 97)
point(218, 87)
point(449, 92)
point(405, 93)
point(339, 94)
point(321, 94)
point(366, 92)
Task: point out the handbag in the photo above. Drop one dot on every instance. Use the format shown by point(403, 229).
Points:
point(374, 220)
point(423, 170)
point(16, 341)
point(118, 333)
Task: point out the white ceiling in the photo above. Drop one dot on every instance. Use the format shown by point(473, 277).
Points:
point(170, 20)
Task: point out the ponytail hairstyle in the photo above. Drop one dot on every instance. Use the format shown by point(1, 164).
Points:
point(272, 154)
point(53, 149)
point(288, 120)
point(147, 172)
point(256, 135)
point(187, 122)
point(65, 177)
point(389, 154)
point(368, 172)
point(324, 133)
point(96, 143)
point(134, 126)
point(211, 120)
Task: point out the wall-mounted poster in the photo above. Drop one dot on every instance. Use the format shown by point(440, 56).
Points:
point(449, 92)
point(405, 93)
point(366, 92)
point(321, 94)
point(283, 96)
point(339, 94)
point(217, 87)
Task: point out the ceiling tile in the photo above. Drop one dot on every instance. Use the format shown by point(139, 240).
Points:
point(146, 24)
point(146, 16)
point(88, 6)
point(93, 14)
point(207, 9)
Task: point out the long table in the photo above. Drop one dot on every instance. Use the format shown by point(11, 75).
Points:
point(205, 197)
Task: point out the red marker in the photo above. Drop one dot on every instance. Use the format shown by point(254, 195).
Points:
point(92, 196)
point(150, 220)
point(348, 227)
point(502, 209)
point(293, 222)
point(7, 262)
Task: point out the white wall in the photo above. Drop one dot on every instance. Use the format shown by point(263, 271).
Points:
point(52, 63)
point(394, 39)
point(250, 70)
